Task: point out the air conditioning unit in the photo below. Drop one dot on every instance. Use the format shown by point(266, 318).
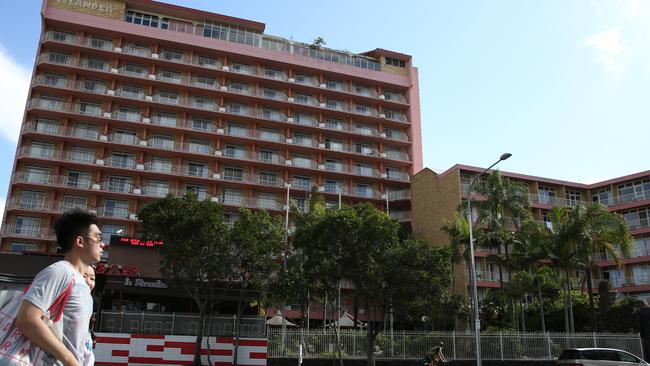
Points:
point(288, 162)
point(321, 166)
point(146, 120)
point(154, 55)
point(95, 186)
point(133, 216)
point(382, 115)
point(214, 199)
point(107, 115)
point(383, 135)
point(220, 131)
point(321, 189)
point(225, 68)
point(137, 190)
point(222, 109)
point(99, 162)
point(216, 176)
point(92, 211)
point(139, 167)
point(323, 86)
point(117, 49)
point(223, 88)
point(291, 80)
point(152, 76)
point(103, 138)
point(143, 142)
point(290, 100)
point(110, 91)
point(383, 155)
point(148, 98)
point(114, 70)
point(383, 175)
point(381, 96)
point(218, 153)
point(321, 145)
point(322, 105)
point(321, 125)
point(289, 141)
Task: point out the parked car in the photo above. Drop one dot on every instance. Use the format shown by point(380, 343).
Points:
point(598, 357)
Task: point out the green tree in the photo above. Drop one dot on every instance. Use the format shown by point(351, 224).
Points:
point(255, 239)
point(595, 230)
point(195, 253)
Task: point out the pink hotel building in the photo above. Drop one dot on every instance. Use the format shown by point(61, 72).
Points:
point(133, 99)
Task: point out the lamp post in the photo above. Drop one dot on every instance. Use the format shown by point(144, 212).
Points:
point(477, 320)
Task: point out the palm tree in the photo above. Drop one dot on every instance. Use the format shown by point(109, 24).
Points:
point(594, 229)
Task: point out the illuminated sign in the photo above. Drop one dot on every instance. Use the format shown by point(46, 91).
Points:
point(125, 241)
point(141, 282)
point(116, 270)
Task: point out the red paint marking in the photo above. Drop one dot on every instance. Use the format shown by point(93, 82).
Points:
point(158, 361)
point(120, 353)
point(155, 348)
point(187, 348)
point(111, 364)
point(217, 352)
point(148, 336)
point(222, 363)
point(113, 340)
point(252, 342)
point(258, 355)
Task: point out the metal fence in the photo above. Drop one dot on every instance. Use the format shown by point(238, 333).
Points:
point(457, 345)
point(179, 324)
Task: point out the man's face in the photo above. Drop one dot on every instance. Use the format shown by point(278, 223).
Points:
point(93, 244)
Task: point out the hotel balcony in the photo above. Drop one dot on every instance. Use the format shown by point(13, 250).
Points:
point(27, 232)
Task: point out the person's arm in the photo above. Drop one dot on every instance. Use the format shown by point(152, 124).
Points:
point(34, 328)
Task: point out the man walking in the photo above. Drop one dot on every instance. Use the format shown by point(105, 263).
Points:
point(78, 235)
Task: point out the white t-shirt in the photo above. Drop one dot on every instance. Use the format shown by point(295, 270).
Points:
point(48, 285)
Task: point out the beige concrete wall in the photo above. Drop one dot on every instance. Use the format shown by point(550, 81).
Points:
point(113, 9)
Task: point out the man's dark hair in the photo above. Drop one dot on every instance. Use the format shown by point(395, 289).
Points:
point(72, 224)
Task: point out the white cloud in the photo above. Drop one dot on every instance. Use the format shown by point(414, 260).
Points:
point(13, 93)
point(608, 46)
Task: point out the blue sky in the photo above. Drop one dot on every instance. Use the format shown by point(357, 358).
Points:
point(562, 85)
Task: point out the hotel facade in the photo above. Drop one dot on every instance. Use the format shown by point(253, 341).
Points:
point(133, 100)
point(437, 196)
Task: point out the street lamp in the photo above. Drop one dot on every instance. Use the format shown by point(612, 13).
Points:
point(477, 320)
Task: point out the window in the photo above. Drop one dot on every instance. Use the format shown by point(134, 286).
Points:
point(364, 149)
point(94, 86)
point(274, 74)
point(206, 61)
point(166, 96)
point(301, 139)
point(41, 149)
point(203, 102)
point(363, 129)
point(363, 190)
point(232, 197)
point(59, 58)
point(157, 188)
point(334, 104)
point(57, 80)
point(125, 137)
point(61, 36)
point(634, 191)
point(573, 197)
point(235, 151)
point(268, 178)
point(70, 202)
point(301, 182)
point(304, 119)
point(162, 142)
point(108, 230)
point(26, 225)
point(131, 91)
point(137, 49)
point(395, 62)
point(37, 174)
point(116, 208)
point(199, 146)
point(161, 164)
point(334, 85)
point(364, 169)
point(546, 195)
point(238, 109)
point(97, 64)
point(85, 131)
point(201, 124)
point(199, 190)
point(47, 126)
point(335, 124)
point(303, 79)
point(240, 88)
point(333, 144)
point(394, 115)
point(197, 169)
point(271, 93)
point(17, 247)
point(389, 95)
point(303, 161)
point(236, 129)
point(233, 174)
point(362, 90)
point(230, 33)
point(269, 135)
point(393, 153)
point(602, 196)
point(241, 68)
point(122, 160)
point(32, 200)
point(267, 200)
point(170, 76)
point(105, 44)
point(134, 70)
point(333, 186)
point(118, 184)
point(334, 165)
point(142, 18)
point(363, 109)
point(128, 114)
point(272, 114)
point(164, 119)
point(78, 179)
point(82, 155)
point(90, 108)
point(268, 156)
point(302, 98)
point(170, 55)
point(205, 82)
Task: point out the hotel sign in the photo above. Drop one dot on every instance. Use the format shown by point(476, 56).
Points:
point(113, 9)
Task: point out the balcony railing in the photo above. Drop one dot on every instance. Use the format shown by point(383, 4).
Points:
point(400, 215)
point(30, 232)
point(638, 223)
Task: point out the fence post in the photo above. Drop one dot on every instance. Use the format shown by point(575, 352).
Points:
point(403, 345)
point(121, 321)
point(501, 345)
point(595, 343)
point(641, 346)
point(142, 323)
point(453, 343)
point(548, 342)
point(354, 342)
point(173, 321)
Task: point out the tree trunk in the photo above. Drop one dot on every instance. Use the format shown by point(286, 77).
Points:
point(592, 307)
point(370, 337)
point(240, 310)
point(199, 335)
point(571, 320)
point(541, 306)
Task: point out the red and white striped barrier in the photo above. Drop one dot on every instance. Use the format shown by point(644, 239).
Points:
point(120, 349)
